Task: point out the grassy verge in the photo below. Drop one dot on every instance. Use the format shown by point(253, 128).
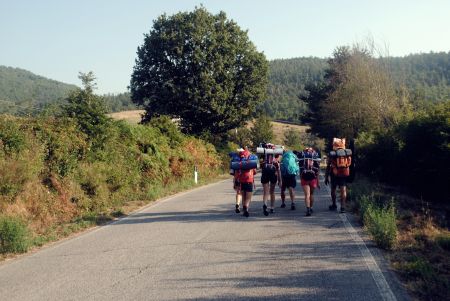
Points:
point(20, 239)
point(414, 232)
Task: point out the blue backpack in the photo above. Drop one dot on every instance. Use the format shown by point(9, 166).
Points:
point(289, 164)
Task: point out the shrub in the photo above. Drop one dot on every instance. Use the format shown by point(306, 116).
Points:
point(14, 235)
point(12, 138)
point(380, 222)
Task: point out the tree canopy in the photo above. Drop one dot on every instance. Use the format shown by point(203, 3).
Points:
point(201, 68)
point(357, 95)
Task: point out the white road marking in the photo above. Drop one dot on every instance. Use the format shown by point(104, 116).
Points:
point(383, 287)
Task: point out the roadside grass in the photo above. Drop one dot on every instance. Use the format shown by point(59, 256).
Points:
point(20, 239)
point(414, 233)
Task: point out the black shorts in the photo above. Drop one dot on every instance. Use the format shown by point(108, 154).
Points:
point(288, 181)
point(338, 181)
point(247, 187)
point(269, 175)
point(237, 185)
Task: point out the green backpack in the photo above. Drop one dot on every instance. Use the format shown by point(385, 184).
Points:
point(289, 164)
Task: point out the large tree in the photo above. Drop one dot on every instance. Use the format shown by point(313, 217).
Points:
point(357, 95)
point(201, 68)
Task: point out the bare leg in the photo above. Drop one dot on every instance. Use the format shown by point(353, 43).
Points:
point(272, 196)
point(343, 191)
point(333, 194)
point(307, 192)
point(292, 194)
point(248, 198)
point(265, 193)
point(311, 196)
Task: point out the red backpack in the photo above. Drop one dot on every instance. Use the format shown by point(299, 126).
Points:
point(341, 159)
point(246, 176)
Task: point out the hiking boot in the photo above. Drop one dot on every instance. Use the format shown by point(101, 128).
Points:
point(283, 205)
point(271, 210)
point(342, 210)
point(292, 206)
point(246, 214)
point(266, 213)
point(237, 209)
point(308, 212)
point(332, 207)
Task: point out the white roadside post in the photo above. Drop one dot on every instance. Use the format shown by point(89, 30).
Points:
point(195, 175)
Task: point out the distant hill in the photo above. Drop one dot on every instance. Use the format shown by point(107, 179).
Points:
point(287, 80)
point(24, 92)
point(426, 76)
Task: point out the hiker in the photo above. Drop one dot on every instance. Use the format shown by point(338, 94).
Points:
point(338, 171)
point(309, 161)
point(237, 186)
point(289, 170)
point(247, 179)
point(270, 173)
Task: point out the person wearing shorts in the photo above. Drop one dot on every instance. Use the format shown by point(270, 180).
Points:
point(289, 182)
point(336, 181)
point(309, 176)
point(308, 189)
point(247, 183)
point(269, 178)
point(340, 182)
point(237, 188)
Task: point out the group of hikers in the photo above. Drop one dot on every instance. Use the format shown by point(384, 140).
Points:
point(281, 167)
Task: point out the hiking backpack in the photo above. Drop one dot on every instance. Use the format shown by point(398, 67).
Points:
point(242, 163)
point(289, 164)
point(269, 150)
point(309, 161)
point(341, 159)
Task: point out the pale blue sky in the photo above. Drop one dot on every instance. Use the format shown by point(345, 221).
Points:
point(59, 38)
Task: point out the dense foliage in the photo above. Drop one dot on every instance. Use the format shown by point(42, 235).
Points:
point(415, 151)
point(396, 142)
point(201, 68)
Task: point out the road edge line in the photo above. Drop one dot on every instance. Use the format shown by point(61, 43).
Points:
point(377, 275)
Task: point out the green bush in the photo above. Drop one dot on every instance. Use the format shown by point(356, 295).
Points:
point(12, 138)
point(380, 222)
point(14, 235)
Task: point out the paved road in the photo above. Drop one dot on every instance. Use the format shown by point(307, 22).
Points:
point(194, 247)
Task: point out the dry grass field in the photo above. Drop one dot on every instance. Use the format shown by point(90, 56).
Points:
point(130, 116)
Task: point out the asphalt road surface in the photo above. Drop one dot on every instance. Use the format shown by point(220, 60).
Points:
point(193, 246)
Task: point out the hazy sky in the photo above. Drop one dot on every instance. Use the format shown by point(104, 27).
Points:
point(59, 38)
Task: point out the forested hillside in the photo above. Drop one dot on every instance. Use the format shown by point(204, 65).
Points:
point(287, 80)
point(24, 92)
point(426, 76)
